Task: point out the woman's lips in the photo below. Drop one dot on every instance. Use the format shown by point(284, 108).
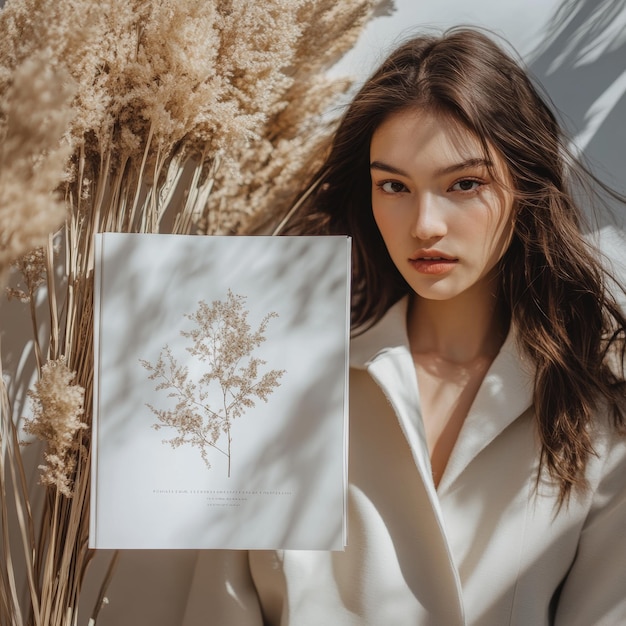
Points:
point(432, 264)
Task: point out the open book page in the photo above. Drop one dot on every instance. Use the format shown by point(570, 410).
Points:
point(220, 398)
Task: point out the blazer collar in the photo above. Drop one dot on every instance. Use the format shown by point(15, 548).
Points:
point(505, 393)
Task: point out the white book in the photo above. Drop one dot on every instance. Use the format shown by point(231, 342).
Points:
point(220, 392)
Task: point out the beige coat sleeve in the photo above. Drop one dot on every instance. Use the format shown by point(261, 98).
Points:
point(594, 591)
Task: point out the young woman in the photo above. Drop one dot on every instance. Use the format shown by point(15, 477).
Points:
point(487, 450)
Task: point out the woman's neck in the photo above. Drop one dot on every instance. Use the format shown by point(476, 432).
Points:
point(470, 328)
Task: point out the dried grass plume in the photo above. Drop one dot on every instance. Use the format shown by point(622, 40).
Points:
point(34, 116)
point(57, 411)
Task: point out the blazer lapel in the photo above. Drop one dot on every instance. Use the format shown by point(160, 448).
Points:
point(384, 352)
point(392, 372)
point(505, 393)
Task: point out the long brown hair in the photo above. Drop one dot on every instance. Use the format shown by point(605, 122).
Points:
point(557, 293)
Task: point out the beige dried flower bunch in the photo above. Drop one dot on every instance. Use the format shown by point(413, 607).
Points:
point(58, 407)
point(181, 116)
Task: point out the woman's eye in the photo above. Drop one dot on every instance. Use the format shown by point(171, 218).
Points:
point(467, 184)
point(392, 186)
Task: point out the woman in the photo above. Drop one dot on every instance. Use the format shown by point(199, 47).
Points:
point(487, 450)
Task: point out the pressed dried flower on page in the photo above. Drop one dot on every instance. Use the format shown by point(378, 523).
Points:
point(223, 341)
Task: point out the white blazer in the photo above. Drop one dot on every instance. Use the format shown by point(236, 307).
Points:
point(488, 547)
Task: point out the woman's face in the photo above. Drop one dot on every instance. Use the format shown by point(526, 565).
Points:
point(444, 219)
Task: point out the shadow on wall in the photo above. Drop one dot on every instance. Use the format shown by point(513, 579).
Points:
point(582, 65)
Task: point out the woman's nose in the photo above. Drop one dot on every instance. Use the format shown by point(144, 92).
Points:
point(428, 219)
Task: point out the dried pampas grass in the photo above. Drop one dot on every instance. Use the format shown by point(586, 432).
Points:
point(34, 116)
point(181, 116)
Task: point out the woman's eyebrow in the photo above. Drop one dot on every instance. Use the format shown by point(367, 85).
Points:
point(449, 169)
point(379, 165)
point(464, 165)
